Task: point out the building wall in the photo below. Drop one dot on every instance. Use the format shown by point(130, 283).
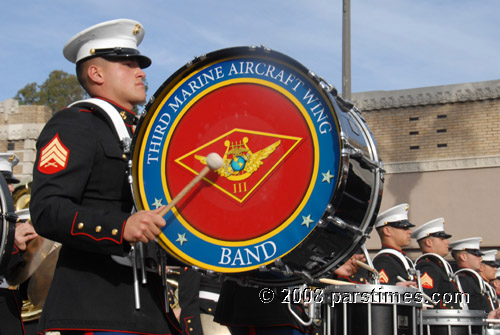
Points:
point(19, 130)
point(441, 151)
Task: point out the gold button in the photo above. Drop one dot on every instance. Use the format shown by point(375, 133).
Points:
point(124, 156)
point(80, 225)
point(209, 309)
point(114, 232)
point(189, 321)
point(190, 329)
point(98, 229)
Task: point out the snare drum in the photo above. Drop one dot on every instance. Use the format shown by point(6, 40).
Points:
point(7, 228)
point(493, 329)
point(453, 322)
point(301, 183)
point(371, 310)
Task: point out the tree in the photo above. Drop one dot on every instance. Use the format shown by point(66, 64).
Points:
point(58, 91)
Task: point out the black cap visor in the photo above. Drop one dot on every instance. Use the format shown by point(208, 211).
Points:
point(403, 224)
point(440, 234)
point(9, 178)
point(475, 252)
point(121, 53)
point(494, 264)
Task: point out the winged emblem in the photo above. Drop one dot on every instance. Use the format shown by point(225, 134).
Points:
point(239, 161)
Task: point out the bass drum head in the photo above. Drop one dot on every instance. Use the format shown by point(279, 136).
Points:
point(277, 132)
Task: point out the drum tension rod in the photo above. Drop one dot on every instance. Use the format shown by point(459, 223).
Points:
point(10, 216)
point(353, 152)
point(344, 225)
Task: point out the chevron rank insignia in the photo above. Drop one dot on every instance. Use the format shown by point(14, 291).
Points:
point(427, 281)
point(383, 277)
point(53, 157)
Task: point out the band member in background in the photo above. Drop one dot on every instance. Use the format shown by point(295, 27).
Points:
point(487, 271)
point(10, 298)
point(82, 199)
point(394, 231)
point(468, 255)
point(436, 274)
point(495, 283)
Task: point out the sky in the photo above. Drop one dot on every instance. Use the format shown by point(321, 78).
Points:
point(395, 44)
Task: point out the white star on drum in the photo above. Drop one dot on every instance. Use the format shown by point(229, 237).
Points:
point(157, 203)
point(181, 238)
point(327, 177)
point(307, 220)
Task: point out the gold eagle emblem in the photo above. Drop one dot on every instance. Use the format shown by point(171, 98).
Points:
point(239, 161)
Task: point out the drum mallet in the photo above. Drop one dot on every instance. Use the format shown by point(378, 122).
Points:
point(366, 267)
point(334, 281)
point(214, 162)
point(401, 279)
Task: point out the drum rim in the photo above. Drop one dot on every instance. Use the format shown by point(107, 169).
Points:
point(333, 106)
point(8, 228)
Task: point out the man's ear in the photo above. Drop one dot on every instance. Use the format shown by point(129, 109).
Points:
point(462, 256)
point(387, 231)
point(428, 242)
point(95, 74)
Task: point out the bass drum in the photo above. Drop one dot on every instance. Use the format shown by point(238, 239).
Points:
point(301, 182)
point(7, 226)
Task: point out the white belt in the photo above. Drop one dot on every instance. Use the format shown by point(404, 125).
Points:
point(209, 296)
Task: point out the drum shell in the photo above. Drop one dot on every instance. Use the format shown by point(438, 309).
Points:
point(386, 310)
point(453, 322)
point(349, 215)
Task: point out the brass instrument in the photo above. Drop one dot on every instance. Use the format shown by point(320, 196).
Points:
point(22, 196)
point(40, 257)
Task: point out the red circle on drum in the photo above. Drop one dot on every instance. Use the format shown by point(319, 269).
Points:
point(268, 161)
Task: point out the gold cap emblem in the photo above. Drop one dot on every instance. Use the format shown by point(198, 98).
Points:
point(137, 29)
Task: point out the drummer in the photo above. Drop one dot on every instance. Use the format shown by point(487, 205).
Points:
point(487, 271)
point(10, 298)
point(394, 231)
point(436, 274)
point(468, 255)
point(496, 283)
point(82, 199)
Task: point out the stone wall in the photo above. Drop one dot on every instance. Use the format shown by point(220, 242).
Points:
point(19, 130)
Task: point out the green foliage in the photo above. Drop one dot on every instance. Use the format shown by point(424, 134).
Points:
point(58, 91)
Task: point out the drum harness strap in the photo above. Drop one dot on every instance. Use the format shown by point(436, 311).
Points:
point(449, 272)
point(482, 285)
point(407, 263)
point(409, 267)
point(135, 258)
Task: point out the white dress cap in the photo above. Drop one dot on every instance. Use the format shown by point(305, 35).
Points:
point(111, 39)
point(7, 163)
point(468, 243)
point(432, 228)
point(489, 256)
point(396, 216)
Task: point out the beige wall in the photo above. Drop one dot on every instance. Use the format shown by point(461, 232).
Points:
point(441, 149)
point(468, 200)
